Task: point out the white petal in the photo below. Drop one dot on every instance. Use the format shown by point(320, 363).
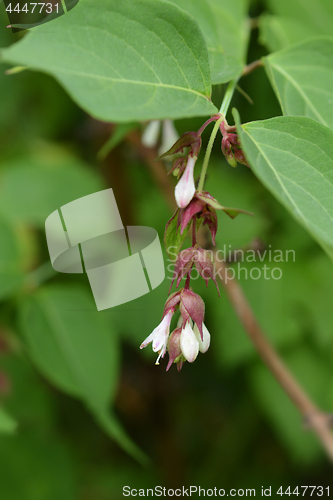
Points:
point(189, 343)
point(185, 188)
point(150, 135)
point(203, 345)
point(169, 136)
point(180, 322)
point(160, 339)
point(160, 334)
point(149, 339)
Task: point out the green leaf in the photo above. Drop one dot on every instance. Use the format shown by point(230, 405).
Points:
point(293, 157)
point(173, 240)
point(118, 134)
point(278, 32)
point(71, 343)
point(73, 346)
point(10, 95)
point(11, 265)
point(223, 24)
point(33, 187)
point(7, 424)
point(112, 426)
point(232, 212)
point(302, 78)
point(315, 14)
point(122, 61)
point(185, 141)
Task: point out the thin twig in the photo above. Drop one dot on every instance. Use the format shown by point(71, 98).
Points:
point(314, 418)
point(252, 66)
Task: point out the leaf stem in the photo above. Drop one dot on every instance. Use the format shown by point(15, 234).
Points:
point(223, 111)
point(208, 153)
point(227, 97)
point(252, 66)
point(194, 229)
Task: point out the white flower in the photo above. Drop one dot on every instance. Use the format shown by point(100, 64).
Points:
point(188, 343)
point(185, 188)
point(169, 136)
point(159, 337)
point(203, 344)
point(150, 135)
point(152, 131)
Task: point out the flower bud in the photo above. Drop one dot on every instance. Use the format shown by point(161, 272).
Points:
point(188, 343)
point(231, 160)
point(190, 140)
point(205, 266)
point(174, 349)
point(192, 306)
point(172, 302)
point(169, 136)
point(187, 214)
point(185, 189)
point(210, 218)
point(150, 135)
point(178, 166)
point(204, 342)
point(183, 264)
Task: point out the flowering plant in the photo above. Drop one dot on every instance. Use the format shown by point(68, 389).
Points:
point(195, 207)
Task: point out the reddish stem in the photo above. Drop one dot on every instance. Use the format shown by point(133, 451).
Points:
point(188, 279)
point(194, 229)
point(212, 119)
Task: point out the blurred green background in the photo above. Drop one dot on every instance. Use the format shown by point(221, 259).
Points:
point(223, 421)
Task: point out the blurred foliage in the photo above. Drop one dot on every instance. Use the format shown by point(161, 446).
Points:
point(222, 421)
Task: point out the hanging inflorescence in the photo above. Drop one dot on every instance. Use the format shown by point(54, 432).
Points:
point(195, 207)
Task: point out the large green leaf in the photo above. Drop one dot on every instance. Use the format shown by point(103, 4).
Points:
point(278, 32)
point(295, 21)
point(302, 77)
point(32, 187)
point(293, 157)
point(316, 14)
point(223, 24)
point(73, 346)
point(124, 61)
point(71, 343)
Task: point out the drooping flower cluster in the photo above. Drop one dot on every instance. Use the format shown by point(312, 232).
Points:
point(195, 207)
point(190, 336)
point(231, 147)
